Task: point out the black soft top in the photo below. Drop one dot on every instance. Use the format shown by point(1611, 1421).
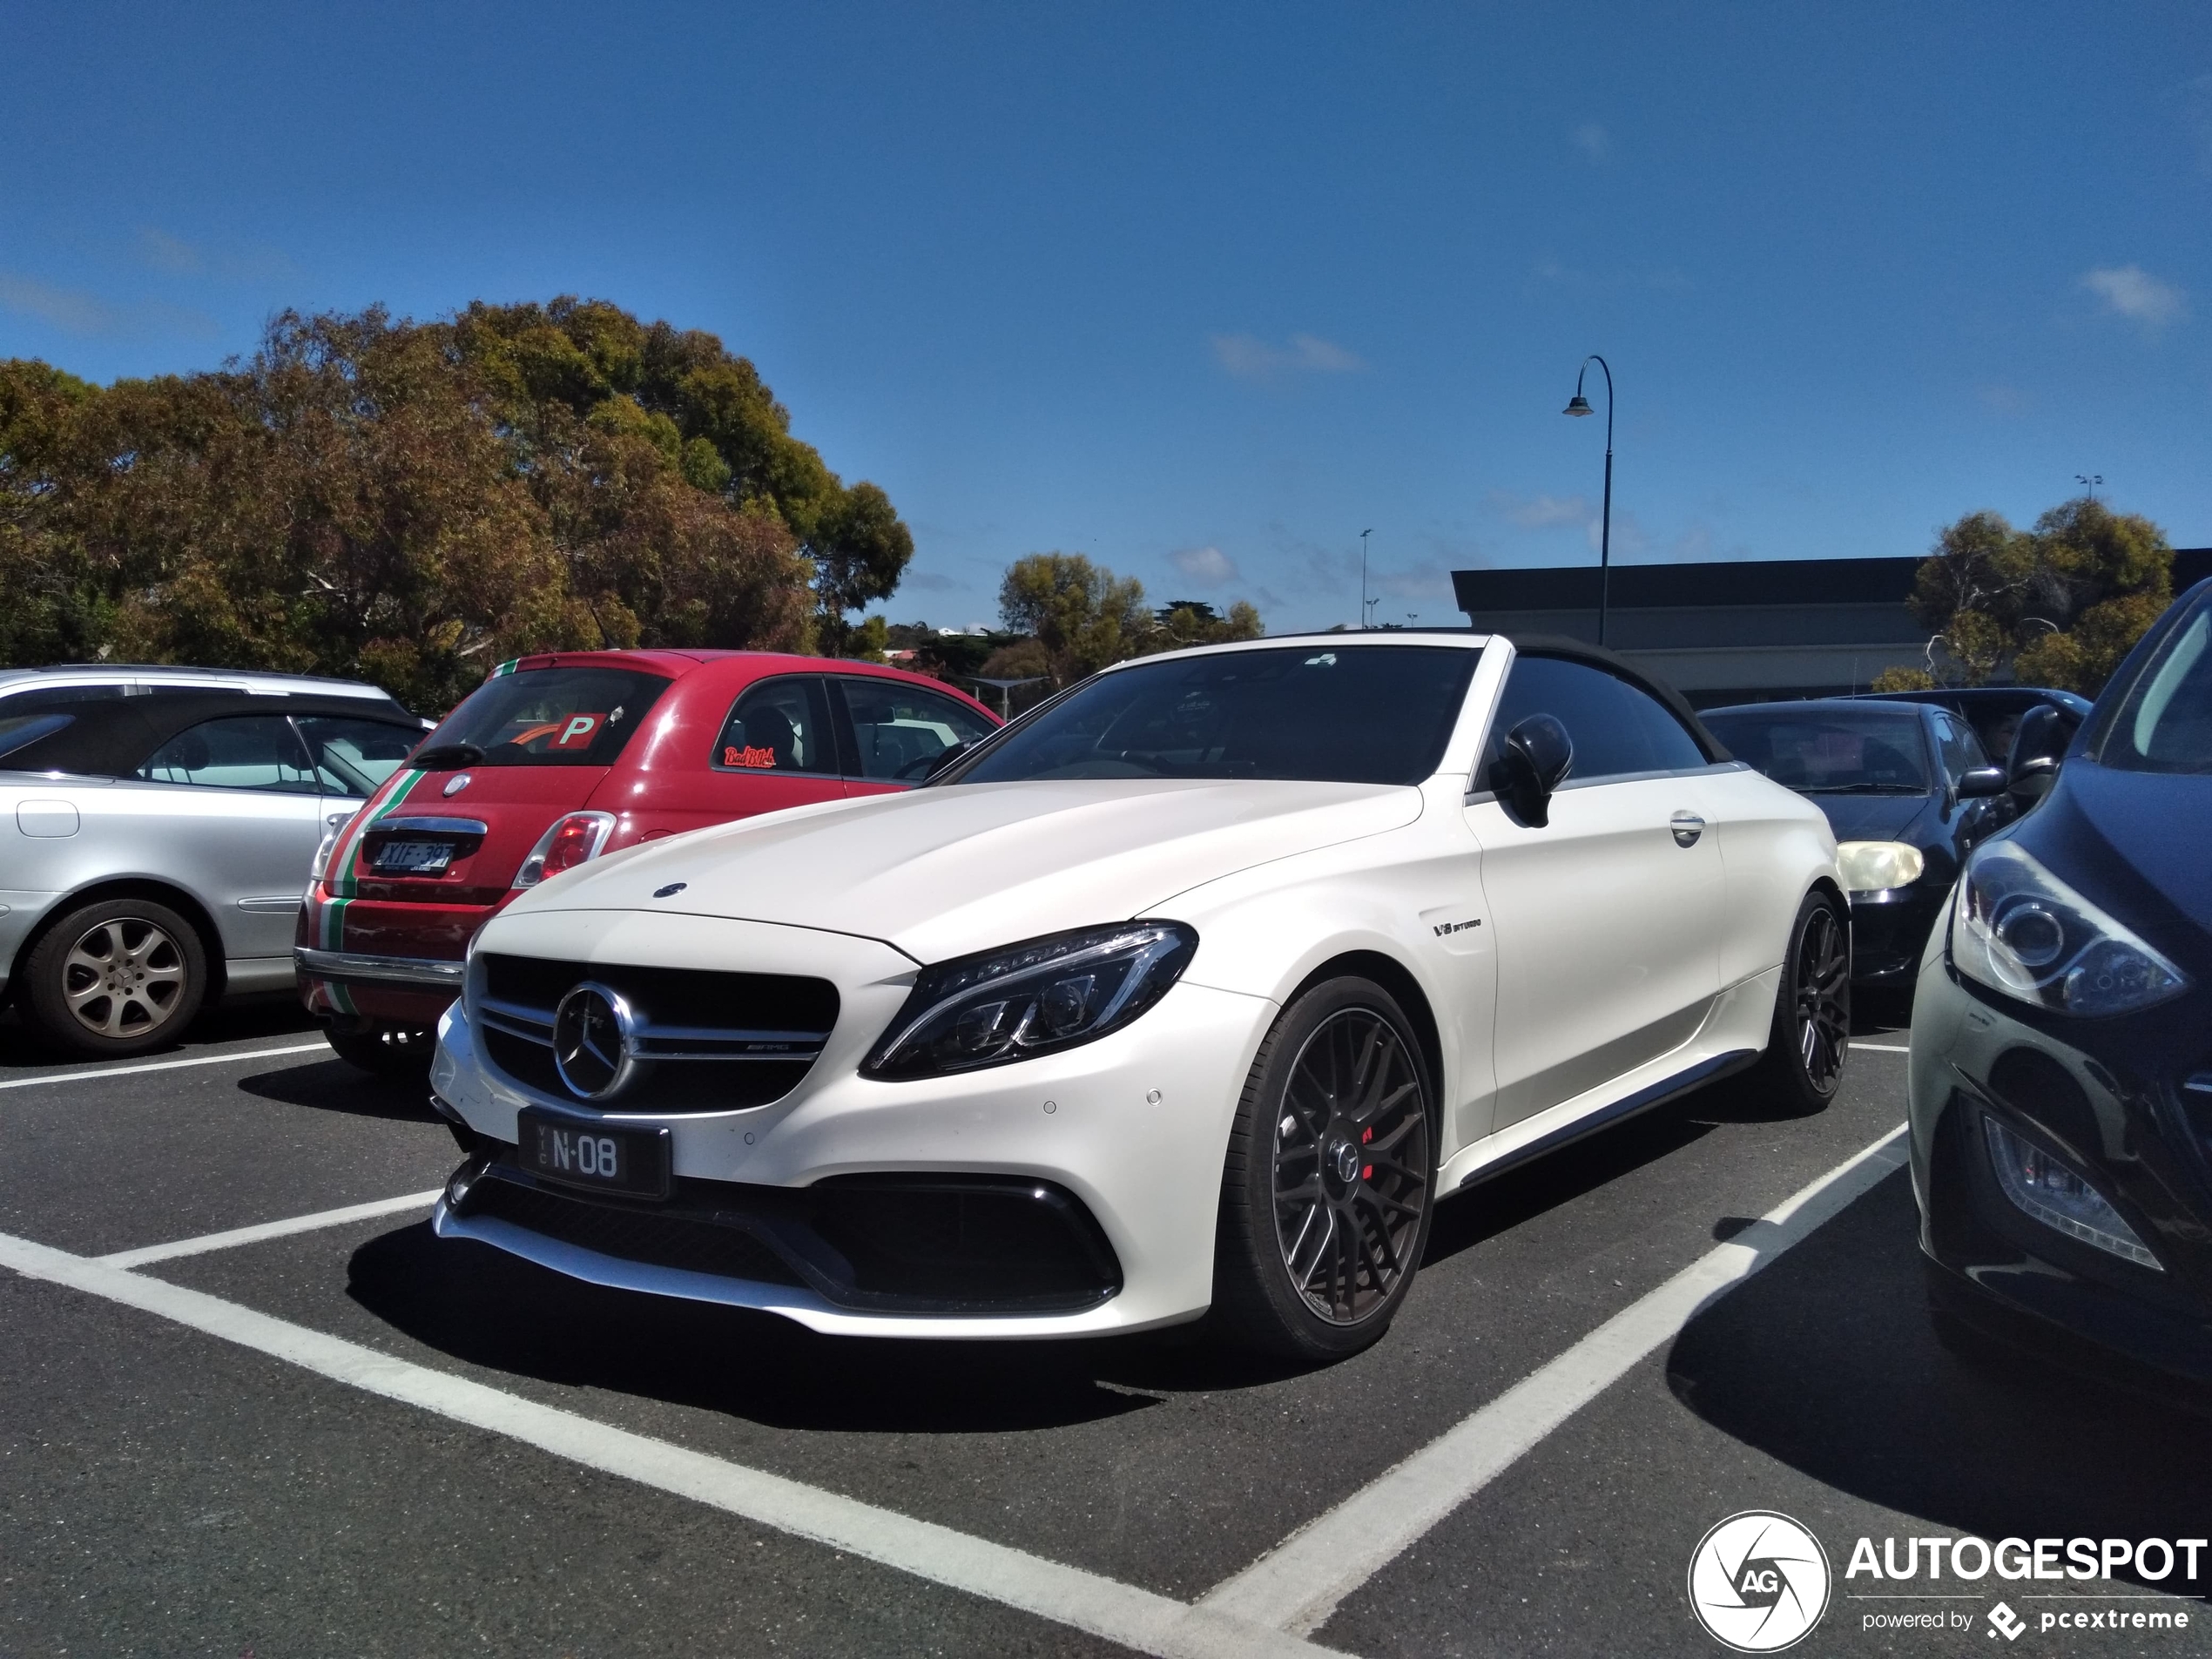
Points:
point(1578, 651)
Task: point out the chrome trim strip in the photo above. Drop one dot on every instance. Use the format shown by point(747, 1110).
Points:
point(436, 825)
point(352, 968)
point(536, 1025)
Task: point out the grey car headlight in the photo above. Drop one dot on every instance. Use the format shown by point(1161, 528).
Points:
point(1036, 997)
point(2018, 929)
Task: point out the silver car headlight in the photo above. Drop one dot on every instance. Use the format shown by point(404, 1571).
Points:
point(1033, 998)
point(1876, 867)
point(2018, 929)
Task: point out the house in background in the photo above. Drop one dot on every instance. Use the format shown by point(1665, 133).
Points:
point(1738, 631)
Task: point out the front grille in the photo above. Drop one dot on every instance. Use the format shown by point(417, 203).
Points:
point(704, 1041)
point(654, 1237)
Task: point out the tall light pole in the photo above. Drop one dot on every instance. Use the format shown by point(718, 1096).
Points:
point(1578, 405)
point(2089, 481)
point(1364, 534)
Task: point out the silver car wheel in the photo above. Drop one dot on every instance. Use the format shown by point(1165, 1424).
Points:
point(124, 977)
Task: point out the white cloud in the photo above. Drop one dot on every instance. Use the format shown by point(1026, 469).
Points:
point(1248, 357)
point(928, 582)
point(1209, 565)
point(74, 311)
point(2132, 291)
point(1593, 141)
point(165, 252)
point(1543, 512)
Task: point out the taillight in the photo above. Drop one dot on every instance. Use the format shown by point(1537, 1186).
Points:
point(334, 826)
point(572, 840)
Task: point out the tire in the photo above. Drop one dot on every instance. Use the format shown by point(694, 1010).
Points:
point(115, 978)
point(1808, 1044)
point(402, 1053)
point(1338, 1096)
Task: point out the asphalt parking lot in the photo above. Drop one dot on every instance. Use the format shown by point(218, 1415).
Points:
point(349, 1439)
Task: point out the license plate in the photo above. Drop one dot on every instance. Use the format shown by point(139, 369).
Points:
point(599, 1156)
point(416, 858)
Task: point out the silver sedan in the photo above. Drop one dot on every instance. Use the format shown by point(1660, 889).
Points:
point(156, 827)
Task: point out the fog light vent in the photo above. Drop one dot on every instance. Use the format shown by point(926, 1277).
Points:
point(2046, 1188)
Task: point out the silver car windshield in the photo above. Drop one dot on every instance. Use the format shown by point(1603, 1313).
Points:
point(1323, 712)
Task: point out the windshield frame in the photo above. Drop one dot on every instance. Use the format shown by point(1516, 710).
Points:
point(960, 770)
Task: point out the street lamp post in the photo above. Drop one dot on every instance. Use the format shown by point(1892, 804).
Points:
point(1364, 534)
point(1578, 406)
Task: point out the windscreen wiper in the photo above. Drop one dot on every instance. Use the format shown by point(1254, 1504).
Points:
point(1859, 789)
point(445, 756)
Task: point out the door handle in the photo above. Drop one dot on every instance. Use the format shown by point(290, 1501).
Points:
point(1687, 826)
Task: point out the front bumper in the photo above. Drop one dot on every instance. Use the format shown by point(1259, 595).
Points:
point(1888, 931)
point(1132, 1128)
point(2110, 1097)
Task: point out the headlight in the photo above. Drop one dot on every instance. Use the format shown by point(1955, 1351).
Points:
point(1875, 867)
point(334, 826)
point(2021, 930)
point(1032, 998)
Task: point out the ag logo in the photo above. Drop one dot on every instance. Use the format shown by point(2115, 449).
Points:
point(1758, 1582)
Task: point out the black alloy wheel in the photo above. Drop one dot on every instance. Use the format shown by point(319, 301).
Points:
point(1329, 1186)
point(1810, 1044)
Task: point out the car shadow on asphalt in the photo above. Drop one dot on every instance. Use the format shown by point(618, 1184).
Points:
point(484, 1308)
point(1826, 1361)
point(242, 1021)
point(334, 1086)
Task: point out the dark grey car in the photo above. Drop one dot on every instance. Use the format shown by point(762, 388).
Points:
point(157, 828)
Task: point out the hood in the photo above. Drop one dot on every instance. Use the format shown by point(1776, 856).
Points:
point(2156, 824)
point(939, 872)
point(1872, 818)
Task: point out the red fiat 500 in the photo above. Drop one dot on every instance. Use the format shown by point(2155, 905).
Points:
point(558, 758)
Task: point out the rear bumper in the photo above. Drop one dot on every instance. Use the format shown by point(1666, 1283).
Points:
point(352, 968)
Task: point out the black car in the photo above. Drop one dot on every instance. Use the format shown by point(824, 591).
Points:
point(2061, 1068)
point(1909, 791)
point(1997, 714)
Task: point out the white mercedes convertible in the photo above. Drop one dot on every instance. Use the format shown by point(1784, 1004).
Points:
point(1195, 989)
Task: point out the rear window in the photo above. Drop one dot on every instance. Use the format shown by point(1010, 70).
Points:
point(1354, 714)
point(1870, 752)
point(551, 716)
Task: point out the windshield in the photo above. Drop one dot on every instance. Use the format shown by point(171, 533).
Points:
point(1862, 752)
point(1354, 714)
point(548, 717)
point(2165, 723)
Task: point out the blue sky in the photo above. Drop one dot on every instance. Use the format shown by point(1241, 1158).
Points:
point(1204, 291)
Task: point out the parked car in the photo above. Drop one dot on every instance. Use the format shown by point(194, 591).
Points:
point(156, 826)
point(1996, 712)
point(556, 759)
point(1909, 791)
point(2061, 1065)
point(1196, 985)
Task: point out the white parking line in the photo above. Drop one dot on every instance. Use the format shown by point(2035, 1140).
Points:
point(1136, 1618)
point(1298, 1584)
point(162, 1065)
point(1881, 1048)
point(236, 1236)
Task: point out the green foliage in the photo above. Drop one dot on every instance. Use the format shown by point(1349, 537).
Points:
point(412, 503)
point(2059, 605)
point(1082, 616)
point(1903, 679)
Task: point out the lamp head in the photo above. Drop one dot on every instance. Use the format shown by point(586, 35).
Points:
point(1578, 405)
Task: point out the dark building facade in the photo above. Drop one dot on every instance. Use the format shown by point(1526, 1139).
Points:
point(1735, 631)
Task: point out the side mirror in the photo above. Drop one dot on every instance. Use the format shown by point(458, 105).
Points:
point(1978, 783)
point(1538, 755)
point(2044, 736)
